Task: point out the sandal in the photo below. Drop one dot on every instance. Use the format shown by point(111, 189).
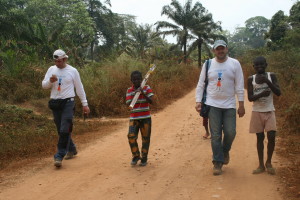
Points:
point(259, 170)
point(270, 170)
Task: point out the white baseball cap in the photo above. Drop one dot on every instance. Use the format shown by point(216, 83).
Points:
point(59, 54)
point(219, 43)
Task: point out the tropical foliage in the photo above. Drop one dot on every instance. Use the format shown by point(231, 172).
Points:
point(108, 46)
point(186, 18)
point(89, 31)
point(204, 32)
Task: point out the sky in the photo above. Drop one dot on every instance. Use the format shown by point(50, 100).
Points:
point(232, 13)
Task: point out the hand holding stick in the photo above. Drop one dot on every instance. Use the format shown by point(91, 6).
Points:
point(137, 94)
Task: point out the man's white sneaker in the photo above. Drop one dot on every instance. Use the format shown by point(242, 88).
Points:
point(57, 163)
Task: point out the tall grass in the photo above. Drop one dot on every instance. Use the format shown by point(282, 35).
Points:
point(106, 84)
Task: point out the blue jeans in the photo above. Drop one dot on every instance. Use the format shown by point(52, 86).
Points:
point(63, 120)
point(221, 120)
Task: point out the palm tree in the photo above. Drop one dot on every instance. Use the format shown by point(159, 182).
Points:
point(204, 32)
point(141, 39)
point(97, 10)
point(182, 16)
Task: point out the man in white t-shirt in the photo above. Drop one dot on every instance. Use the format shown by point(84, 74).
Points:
point(225, 80)
point(62, 79)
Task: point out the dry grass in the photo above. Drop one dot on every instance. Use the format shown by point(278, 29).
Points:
point(26, 127)
point(26, 135)
point(106, 85)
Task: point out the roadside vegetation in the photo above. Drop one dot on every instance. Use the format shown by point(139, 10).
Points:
point(106, 47)
point(26, 125)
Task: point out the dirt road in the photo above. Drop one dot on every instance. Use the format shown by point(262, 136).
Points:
point(179, 166)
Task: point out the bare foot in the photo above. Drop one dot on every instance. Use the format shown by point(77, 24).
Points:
point(206, 136)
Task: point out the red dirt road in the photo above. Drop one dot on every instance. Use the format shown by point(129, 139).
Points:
point(179, 166)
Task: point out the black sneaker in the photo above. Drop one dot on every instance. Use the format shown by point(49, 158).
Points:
point(217, 170)
point(135, 160)
point(226, 158)
point(143, 162)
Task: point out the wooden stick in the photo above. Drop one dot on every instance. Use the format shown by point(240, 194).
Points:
point(136, 96)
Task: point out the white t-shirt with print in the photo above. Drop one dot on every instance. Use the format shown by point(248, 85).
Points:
point(68, 80)
point(225, 80)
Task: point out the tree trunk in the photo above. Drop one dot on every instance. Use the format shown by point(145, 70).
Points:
point(184, 53)
point(199, 53)
point(92, 50)
point(184, 48)
point(91, 12)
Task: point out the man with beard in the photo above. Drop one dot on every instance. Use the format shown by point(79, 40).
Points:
point(225, 80)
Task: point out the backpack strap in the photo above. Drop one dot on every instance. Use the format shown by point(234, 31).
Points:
point(207, 66)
